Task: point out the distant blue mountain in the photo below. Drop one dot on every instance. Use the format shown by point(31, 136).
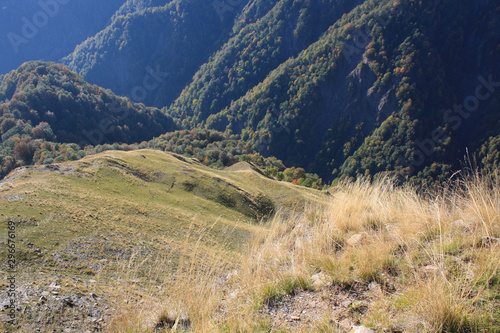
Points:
point(48, 29)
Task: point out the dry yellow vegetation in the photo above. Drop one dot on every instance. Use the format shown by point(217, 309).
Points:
point(403, 262)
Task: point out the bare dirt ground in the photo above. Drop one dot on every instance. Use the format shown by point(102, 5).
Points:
point(304, 309)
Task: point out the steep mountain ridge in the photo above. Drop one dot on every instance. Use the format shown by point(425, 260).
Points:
point(152, 53)
point(401, 67)
point(257, 49)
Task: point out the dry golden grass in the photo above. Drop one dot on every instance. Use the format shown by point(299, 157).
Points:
point(436, 256)
point(193, 289)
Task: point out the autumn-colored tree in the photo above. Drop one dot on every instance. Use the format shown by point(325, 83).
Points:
point(22, 152)
point(37, 133)
point(47, 146)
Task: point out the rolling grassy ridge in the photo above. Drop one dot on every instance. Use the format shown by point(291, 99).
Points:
point(96, 218)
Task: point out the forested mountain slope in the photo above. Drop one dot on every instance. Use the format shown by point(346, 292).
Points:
point(45, 102)
point(373, 94)
point(341, 88)
point(258, 48)
point(152, 53)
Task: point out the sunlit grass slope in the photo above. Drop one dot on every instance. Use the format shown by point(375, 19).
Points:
point(119, 224)
point(157, 242)
point(377, 255)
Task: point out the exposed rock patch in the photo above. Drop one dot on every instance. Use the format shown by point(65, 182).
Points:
point(303, 309)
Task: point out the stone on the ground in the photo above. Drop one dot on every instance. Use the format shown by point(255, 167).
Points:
point(462, 225)
point(375, 288)
point(355, 239)
point(319, 280)
point(429, 270)
point(361, 329)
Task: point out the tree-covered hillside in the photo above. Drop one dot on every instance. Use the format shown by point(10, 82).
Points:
point(152, 52)
point(257, 49)
point(46, 102)
point(371, 95)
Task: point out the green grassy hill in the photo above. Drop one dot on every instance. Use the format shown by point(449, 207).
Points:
point(90, 233)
